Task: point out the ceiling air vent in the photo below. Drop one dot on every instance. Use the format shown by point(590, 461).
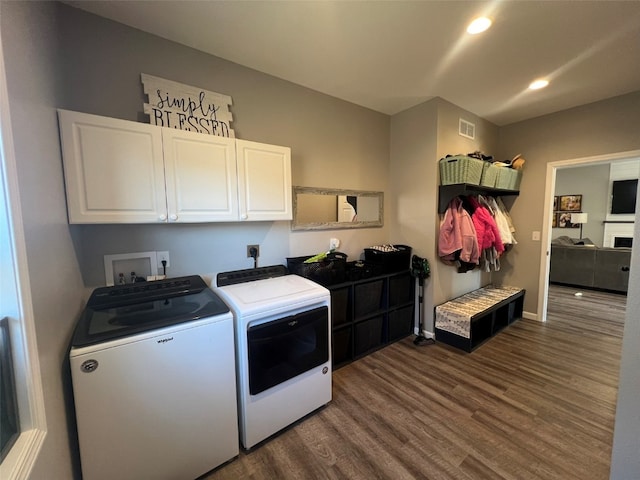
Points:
point(467, 129)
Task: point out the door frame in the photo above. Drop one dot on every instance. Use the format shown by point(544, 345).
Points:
point(550, 186)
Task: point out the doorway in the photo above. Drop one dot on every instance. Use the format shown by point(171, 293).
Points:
point(545, 252)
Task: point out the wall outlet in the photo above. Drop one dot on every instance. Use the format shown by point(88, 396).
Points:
point(535, 236)
point(334, 243)
point(162, 256)
point(250, 250)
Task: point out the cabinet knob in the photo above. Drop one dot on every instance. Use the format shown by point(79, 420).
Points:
point(625, 269)
point(173, 217)
point(162, 218)
point(244, 216)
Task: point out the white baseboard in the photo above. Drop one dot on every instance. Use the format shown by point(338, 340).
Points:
point(424, 332)
point(530, 316)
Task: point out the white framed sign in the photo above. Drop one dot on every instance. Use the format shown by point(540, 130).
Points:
point(175, 105)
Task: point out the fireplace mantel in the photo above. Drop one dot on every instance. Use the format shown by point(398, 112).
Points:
point(613, 230)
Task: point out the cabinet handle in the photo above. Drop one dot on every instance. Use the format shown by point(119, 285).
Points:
point(244, 216)
point(162, 218)
point(173, 217)
point(625, 269)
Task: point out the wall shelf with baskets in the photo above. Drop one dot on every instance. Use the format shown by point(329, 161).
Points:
point(464, 175)
point(448, 192)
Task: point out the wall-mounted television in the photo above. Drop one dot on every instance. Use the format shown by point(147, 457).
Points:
point(624, 196)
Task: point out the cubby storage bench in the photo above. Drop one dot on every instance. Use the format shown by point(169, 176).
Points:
point(471, 319)
point(370, 313)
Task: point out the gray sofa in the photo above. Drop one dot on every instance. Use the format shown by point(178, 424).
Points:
point(586, 265)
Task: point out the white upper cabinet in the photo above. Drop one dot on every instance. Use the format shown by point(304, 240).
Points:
point(118, 171)
point(113, 169)
point(201, 178)
point(264, 173)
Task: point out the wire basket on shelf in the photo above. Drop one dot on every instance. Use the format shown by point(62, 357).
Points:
point(328, 271)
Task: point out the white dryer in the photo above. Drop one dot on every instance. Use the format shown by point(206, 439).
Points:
point(283, 348)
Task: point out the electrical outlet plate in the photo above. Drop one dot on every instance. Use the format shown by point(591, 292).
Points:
point(162, 256)
point(143, 263)
point(249, 247)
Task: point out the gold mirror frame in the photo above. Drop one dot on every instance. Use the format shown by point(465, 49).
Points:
point(301, 220)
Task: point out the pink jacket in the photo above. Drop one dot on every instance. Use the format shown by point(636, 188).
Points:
point(486, 228)
point(457, 233)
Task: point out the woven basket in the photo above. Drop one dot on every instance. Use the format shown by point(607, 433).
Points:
point(490, 175)
point(508, 178)
point(461, 169)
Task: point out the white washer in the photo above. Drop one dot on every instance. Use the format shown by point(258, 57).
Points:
point(153, 374)
point(283, 350)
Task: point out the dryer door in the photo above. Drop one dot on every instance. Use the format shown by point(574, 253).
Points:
point(285, 348)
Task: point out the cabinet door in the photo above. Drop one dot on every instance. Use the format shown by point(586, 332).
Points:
point(113, 169)
point(201, 177)
point(264, 181)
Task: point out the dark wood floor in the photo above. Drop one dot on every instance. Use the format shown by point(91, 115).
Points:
point(535, 402)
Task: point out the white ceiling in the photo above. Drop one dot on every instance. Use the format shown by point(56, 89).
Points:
point(391, 55)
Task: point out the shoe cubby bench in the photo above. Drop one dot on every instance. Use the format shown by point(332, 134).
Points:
point(473, 318)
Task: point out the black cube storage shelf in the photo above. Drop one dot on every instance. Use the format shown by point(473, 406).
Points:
point(369, 314)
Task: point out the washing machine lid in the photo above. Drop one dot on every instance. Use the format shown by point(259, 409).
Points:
point(121, 311)
point(261, 296)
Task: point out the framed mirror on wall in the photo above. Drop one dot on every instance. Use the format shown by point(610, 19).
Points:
point(328, 209)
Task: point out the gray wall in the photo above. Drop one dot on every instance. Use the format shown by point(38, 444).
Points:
point(334, 144)
point(412, 172)
point(420, 136)
point(450, 283)
point(599, 128)
point(592, 182)
point(31, 49)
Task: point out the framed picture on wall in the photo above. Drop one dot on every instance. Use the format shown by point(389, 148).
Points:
point(554, 219)
point(564, 220)
point(570, 203)
point(555, 204)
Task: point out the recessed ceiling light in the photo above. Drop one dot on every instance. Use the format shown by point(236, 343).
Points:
point(479, 25)
point(538, 84)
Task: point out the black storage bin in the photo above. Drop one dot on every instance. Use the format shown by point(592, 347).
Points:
point(396, 261)
point(368, 298)
point(329, 271)
point(368, 335)
point(400, 323)
point(341, 342)
point(362, 270)
point(401, 290)
point(340, 307)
